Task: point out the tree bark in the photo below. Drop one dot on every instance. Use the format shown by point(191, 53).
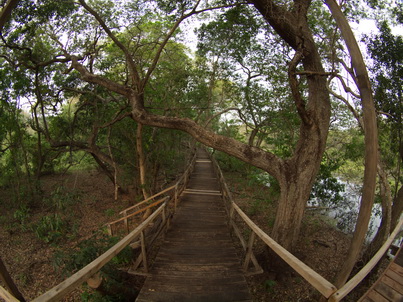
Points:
point(371, 143)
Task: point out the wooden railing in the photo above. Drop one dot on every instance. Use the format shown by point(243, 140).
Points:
point(326, 288)
point(134, 237)
point(68, 285)
point(171, 192)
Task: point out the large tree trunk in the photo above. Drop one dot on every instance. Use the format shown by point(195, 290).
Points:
point(371, 143)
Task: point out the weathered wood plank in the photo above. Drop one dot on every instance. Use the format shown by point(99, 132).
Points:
point(197, 260)
point(388, 292)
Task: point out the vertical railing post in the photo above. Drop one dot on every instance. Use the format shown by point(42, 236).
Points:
point(176, 197)
point(9, 283)
point(143, 251)
point(109, 228)
point(249, 251)
point(126, 222)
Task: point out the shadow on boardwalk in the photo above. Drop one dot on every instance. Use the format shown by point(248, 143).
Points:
point(197, 260)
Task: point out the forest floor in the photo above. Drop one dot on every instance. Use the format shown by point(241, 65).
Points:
point(33, 257)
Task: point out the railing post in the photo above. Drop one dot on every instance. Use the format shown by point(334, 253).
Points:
point(249, 251)
point(143, 251)
point(109, 229)
point(176, 197)
point(126, 222)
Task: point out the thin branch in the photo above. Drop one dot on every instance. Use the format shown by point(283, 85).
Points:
point(132, 66)
point(172, 31)
point(118, 118)
point(92, 78)
point(347, 103)
point(299, 102)
point(345, 87)
point(218, 114)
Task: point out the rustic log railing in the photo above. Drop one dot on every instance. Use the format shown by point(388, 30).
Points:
point(134, 236)
point(326, 288)
point(172, 192)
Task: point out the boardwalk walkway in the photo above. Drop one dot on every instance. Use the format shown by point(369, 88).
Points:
point(389, 287)
point(197, 260)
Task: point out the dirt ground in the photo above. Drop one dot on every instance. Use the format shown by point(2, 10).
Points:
point(31, 261)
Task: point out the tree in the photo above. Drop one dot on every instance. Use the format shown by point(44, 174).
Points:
point(303, 65)
point(386, 51)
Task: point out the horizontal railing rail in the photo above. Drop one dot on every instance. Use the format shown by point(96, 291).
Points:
point(134, 210)
point(354, 281)
point(90, 270)
point(68, 285)
point(7, 296)
point(326, 288)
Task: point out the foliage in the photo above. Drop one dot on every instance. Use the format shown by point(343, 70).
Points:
point(50, 228)
point(115, 281)
point(327, 189)
point(60, 198)
point(22, 214)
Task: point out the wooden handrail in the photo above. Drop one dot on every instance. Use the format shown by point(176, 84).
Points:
point(68, 285)
point(185, 174)
point(353, 282)
point(326, 288)
point(141, 210)
point(321, 284)
point(4, 294)
point(146, 200)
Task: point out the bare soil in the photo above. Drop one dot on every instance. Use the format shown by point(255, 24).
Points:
point(31, 261)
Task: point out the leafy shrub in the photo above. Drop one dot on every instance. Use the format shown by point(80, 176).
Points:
point(114, 284)
point(60, 198)
point(50, 228)
point(22, 214)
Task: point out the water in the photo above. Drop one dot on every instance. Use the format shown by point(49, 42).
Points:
point(345, 212)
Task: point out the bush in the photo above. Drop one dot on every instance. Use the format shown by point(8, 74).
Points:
point(50, 228)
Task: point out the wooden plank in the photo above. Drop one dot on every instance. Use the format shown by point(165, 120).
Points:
point(396, 268)
point(377, 297)
point(393, 275)
point(392, 283)
point(388, 292)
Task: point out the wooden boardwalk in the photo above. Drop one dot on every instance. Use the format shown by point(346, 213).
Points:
point(197, 260)
point(389, 287)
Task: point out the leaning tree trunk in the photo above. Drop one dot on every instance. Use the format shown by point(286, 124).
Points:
point(371, 143)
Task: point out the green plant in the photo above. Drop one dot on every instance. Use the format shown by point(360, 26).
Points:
point(50, 228)
point(110, 212)
point(22, 214)
point(60, 198)
point(269, 285)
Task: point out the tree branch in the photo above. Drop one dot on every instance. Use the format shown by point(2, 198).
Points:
point(132, 66)
point(6, 12)
point(104, 82)
point(218, 114)
point(299, 102)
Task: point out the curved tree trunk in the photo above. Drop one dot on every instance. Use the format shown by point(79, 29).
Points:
point(371, 143)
